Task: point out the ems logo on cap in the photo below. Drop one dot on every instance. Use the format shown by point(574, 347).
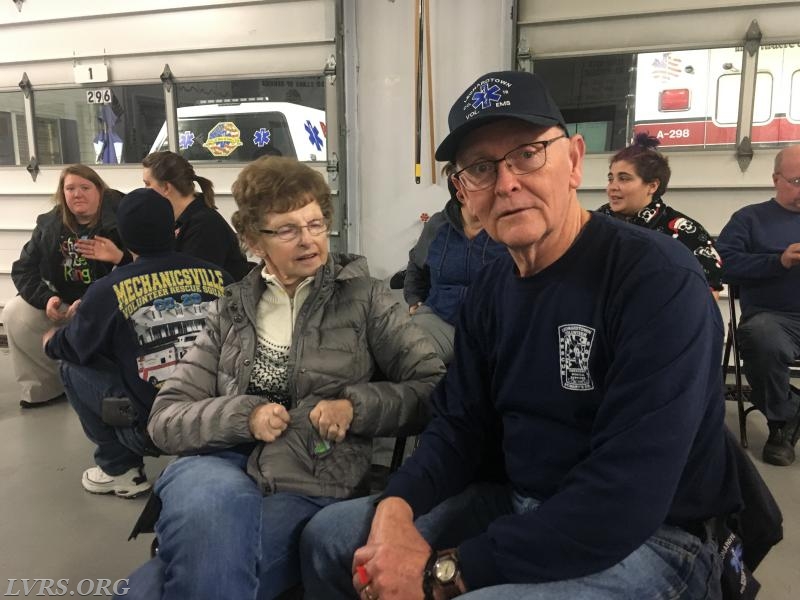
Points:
point(486, 94)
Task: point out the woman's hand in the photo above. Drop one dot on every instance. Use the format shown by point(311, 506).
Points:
point(54, 311)
point(99, 248)
point(332, 418)
point(269, 421)
point(414, 307)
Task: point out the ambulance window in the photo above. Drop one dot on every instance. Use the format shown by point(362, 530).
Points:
point(98, 125)
point(238, 137)
point(13, 140)
point(727, 110)
point(794, 98)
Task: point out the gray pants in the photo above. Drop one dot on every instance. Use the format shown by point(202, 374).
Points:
point(440, 332)
point(769, 343)
point(35, 372)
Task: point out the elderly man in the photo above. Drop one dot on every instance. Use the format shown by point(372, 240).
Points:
point(585, 382)
point(760, 249)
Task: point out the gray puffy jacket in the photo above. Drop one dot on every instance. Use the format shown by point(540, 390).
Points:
point(348, 330)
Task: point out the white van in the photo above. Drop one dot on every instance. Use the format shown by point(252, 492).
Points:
point(243, 131)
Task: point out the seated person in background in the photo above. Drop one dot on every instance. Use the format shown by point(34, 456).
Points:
point(637, 179)
point(53, 272)
point(760, 248)
point(450, 251)
point(284, 373)
point(200, 230)
point(602, 419)
point(126, 336)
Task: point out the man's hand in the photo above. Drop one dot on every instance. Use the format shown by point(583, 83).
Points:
point(414, 308)
point(73, 308)
point(99, 248)
point(332, 418)
point(269, 421)
point(47, 335)
point(791, 256)
point(394, 557)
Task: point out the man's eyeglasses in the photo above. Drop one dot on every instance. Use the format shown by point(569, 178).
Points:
point(795, 181)
point(288, 233)
point(521, 160)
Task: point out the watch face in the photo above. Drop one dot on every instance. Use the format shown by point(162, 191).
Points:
point(445, 569)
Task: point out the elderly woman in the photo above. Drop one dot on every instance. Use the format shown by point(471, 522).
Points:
point(637, 179)
point(285, 373)
point(52, 273)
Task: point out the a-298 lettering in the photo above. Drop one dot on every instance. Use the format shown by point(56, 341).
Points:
point(673, 134)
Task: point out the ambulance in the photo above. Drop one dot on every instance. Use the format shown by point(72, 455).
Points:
point(241, 131)
point(691, 97)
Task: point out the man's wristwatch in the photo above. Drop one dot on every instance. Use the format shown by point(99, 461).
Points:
point(441, 579)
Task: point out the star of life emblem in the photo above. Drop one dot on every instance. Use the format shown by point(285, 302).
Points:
point(574, 347)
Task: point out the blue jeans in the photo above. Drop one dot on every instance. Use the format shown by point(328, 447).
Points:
point(219, 537)
point(119, 449)
point(769, 343)
point(671, 564)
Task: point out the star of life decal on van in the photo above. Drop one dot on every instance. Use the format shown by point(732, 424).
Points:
point(261, 137)
point(185, 140)
point(574, 347)
point(223, 139)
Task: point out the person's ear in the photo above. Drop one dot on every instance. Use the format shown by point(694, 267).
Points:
point(653, 186)
point(577, 150)
point(253, 247)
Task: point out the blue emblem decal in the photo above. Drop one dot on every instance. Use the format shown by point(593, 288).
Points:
point(185, 140)
point(313, 135)
point(484, 97)
point(261, 137)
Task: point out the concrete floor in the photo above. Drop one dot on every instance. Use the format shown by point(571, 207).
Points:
point(51, 529)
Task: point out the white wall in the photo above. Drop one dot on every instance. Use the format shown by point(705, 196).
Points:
point(469, 37)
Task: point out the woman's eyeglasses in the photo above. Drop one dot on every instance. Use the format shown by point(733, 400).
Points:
point(288, 233)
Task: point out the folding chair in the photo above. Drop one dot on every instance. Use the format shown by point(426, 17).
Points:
point(732, 347)
point(739, 391)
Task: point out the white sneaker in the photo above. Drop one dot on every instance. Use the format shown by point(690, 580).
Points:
point(128, 485)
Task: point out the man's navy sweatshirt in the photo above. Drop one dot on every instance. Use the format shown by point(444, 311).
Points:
point(602, 373)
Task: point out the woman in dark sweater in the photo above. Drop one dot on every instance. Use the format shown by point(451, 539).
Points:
point(53, 271)
point(637, 179)
point(200, 230)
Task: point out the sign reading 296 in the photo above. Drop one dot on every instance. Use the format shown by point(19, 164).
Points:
point(99, 96)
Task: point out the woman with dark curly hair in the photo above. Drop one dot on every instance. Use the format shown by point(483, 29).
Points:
point(637, 179)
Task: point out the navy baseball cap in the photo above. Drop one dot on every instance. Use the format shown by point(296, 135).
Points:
point(499, 95)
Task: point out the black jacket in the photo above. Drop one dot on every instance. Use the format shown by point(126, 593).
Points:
point(48, 267)
point(202, 232)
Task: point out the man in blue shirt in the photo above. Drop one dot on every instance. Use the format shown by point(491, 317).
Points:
point(760, 249)
point(585, 382)
point(128, 333)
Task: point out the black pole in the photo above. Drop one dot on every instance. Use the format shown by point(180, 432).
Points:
point(420, 50)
